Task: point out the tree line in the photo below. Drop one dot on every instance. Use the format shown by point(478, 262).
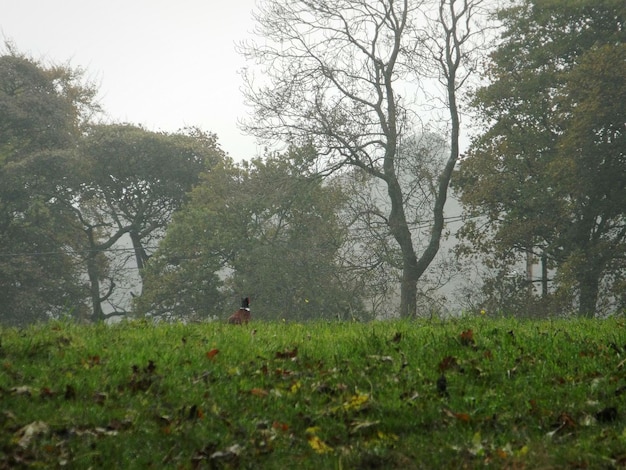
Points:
point(349, 216)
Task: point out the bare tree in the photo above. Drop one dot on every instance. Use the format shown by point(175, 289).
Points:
point(334, 72)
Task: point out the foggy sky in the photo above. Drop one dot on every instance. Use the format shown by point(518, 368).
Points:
point(158, 63)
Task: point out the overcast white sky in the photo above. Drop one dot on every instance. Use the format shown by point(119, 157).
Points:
point(163, 64)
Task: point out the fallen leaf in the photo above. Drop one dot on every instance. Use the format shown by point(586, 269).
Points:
point(28, 432)
point(287, 353)
point(565, 421)
point(464, 417)
point(358, 401)
point(359, 425)
point(318, 445)
point(448, 362)
point(380, 358)
point(467, 338)
point(212, 353)
point(22, 390)
point(313, 430)
point(295, 386)
point(259, 392)
point(280, 426)
point(229, 453)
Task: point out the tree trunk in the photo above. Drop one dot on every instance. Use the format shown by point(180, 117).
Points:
point(97, 314)
point(408, 290)
point(589, 287)
point(400, 230)
point(544, 275)
point(140, 254)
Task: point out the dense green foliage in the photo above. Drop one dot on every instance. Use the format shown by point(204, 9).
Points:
point(268, 229)
point(516, 394)
point(70, 190)
point(41, 111)
point(547, 173)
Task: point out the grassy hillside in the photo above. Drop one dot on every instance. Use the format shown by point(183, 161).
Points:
point(469, 393)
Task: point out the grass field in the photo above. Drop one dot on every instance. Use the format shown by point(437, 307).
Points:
point(466, 393)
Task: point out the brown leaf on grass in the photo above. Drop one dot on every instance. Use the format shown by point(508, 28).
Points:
point(287, 353)
point(212, 353)
point(280, 372)
point(280, 426)
point(464, 417)
point(45, 392)
point(447, 363)
point(566, 420)
point(91, 362)
point(259, 392)
point(467, 338)
point(534, 407)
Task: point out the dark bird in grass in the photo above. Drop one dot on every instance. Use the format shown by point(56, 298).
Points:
point(242, 315)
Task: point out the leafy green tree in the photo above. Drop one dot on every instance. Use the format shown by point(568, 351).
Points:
point(133, 180)
point(268, 229)
point(42, 110)
point(547, 172)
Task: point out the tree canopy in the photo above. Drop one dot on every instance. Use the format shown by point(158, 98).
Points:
point(72, 190)
point(42, 110)
point(547, 172)
point(268, 229)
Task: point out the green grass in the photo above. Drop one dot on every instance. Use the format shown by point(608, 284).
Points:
point(518, 394)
